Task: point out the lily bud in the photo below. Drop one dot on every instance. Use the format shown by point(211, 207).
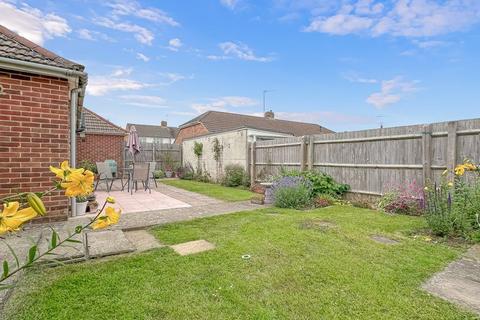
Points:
point(36, 203)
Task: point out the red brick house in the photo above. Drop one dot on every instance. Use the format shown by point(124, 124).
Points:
point(99, 139)
point(41, 95)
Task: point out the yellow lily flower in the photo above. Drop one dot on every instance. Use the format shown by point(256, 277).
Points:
point(450, 184)
point(460, 170)
point(63, 171)
point(11, 218)
point(111, 217)
point(78, 183)
point(110, 200)
point(469, 166)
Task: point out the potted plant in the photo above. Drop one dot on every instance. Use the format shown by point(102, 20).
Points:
point(81, 205)
point(168, 165)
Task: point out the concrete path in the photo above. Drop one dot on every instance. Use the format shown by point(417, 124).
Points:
point(460, 281)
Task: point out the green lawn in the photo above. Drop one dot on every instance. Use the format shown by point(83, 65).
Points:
point(297, 270)
point(212, 190)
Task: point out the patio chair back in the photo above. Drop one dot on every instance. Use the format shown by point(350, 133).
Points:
point(104, 171)
point(140, 172)
point(151, 169)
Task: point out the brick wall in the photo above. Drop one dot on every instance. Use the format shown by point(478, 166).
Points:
point(191, 131)
point(34, 134)
point(100, 147)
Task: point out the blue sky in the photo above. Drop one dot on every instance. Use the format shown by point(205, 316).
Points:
point(346, 65)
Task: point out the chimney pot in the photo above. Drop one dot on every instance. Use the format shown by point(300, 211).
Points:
point(163, 123)
point(269, 115)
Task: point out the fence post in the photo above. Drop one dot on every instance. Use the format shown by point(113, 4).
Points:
point(303, 154)
point(153, 152)
point(253, 152)
point(451, 148)
point(311, 152)
point(427, 153)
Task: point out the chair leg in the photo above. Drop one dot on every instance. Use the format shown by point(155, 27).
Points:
point(96, 185)
point(155, 180)
point(111, 184)
point(106, 184)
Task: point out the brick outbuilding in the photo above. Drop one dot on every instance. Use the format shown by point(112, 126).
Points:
point(41, 95)
point(99, 139)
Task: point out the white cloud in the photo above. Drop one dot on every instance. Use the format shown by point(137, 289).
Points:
point(141, 56)
point(231, 4)
point(92, 35)
point(171, 78)
point(222, 103)
point(353, 77)
point(102, 84)
point(391, 91)
point(142, 34)
point(430, 44)
point(238, 50)
point(32, 23)
point(405, 18)
point(175, 44)
point(340, 24)
point(133, 8)
point(145, 101)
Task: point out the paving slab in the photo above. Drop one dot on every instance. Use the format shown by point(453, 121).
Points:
point(383, 239)
point(459, 282)
point(192, 247)
point(143, 240)
point(106, 243)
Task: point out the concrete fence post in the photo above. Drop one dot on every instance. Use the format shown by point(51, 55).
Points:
point(427, 153)
point(451, 148)
point(311, 152)
point(303, 153)
point(253, 153)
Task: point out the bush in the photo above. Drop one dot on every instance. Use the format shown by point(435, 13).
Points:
point(452, 209)
point(88, 165)
point(158, 174)
point(323, 200)
point(186, 172)
point(407, 200)
point(322, 183)
point(292, 192)
point(202, 176)
point(235, 176)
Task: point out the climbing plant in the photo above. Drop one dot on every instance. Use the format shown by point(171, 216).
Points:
point(198, 149)
point(217, 149)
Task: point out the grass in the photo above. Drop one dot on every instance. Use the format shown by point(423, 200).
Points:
point(212, 190)
point(297, 270)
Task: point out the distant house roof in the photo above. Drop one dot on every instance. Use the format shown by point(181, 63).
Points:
point(152, 131)
point(216, 121)
point(16, 47)
point(95, 124)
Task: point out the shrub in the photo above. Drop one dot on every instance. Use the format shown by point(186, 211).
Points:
point(158, 174)
point(235, 176)
point(452, 208)
point(88, 165)
point(202, 176)
point(186, 172)
point(323, 200)
point(322, 183)
point(292, 192)
point(407, 200)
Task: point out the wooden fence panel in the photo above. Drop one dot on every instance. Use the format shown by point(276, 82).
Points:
point(373, 161)
point(156, 152)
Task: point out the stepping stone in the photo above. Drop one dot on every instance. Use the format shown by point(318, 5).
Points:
point(142, 240)
point(107, 243)
point(192, 247)
point(317, 224)
point(459, 282)
point(384, 240)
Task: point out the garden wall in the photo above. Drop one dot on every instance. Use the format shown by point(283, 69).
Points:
point(372, 161)
point(234, 147)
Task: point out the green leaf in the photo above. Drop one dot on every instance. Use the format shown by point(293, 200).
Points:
point(54, 240)
point(13, 254)
point(32, 252)
point(73, 240)
point(5, 269)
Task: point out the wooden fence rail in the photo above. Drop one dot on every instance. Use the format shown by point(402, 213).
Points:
point(373, 161)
